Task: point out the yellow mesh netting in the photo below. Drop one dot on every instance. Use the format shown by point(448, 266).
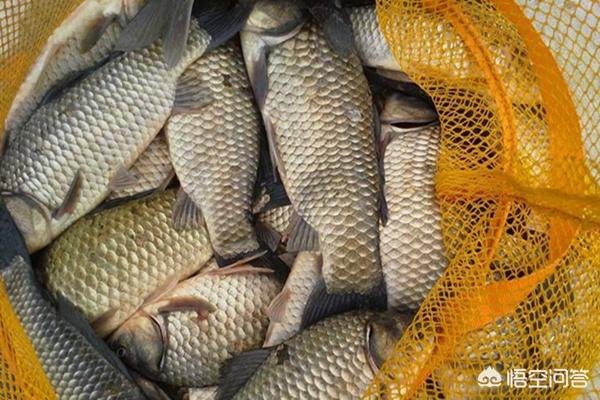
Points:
point(24, 27)
point(515, 84)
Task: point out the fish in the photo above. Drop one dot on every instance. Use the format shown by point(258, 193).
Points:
point(85, 39)
point(336, 358)
point(110, 263)
point(77, 364)
point(152, 170)
point(215, 153)
point(75, 149)
point(411, 242)
point(170, 21)
point(287, 308)
point(205, 393)
point(186, 336)
point(371, 45)
point(277, 223)
point(318, 113)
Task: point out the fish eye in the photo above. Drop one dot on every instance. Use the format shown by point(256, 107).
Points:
point(121, 352)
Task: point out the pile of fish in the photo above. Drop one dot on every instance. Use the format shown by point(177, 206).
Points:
point(223, 199)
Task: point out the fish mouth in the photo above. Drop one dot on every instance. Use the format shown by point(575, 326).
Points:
point(367, 348)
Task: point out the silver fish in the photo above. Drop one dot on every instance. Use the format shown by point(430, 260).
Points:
point(72, 151)
point(371, 46)
point(287, 309)
point(152, 170)
point(333, 359)
point(186, 336)
point(110, 263)
point(317, 110)
point(82, 41)
point(412, 250)
point(215, 152)
point(78, 365)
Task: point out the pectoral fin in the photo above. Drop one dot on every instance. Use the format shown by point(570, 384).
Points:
point(72, 197)
point(122, 179)
point(186, 214)
point(201, 307)
point(277, 308)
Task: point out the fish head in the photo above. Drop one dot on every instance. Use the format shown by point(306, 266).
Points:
point(399, 108)
point(382, 333)
point(274, 17)
point(140, 343)
point(32, 219)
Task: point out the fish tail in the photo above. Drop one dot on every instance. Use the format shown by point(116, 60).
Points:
point(222, 19)
point(322, 303)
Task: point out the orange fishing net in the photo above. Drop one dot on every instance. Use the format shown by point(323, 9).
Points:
point(24, 28)
point(515, 84)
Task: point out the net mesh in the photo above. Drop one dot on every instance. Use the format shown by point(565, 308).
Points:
point(518, 185)
point(516, 88)
point(24, 27)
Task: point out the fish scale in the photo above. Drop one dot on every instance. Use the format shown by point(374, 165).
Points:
point(151, 170)
point(215, 151)
point(100, 125)
point(300, 283)
point(412, 250)
point(371, 45)
point(327, 361)
point(320, 108)
point(116, 258)
point(64, 55)
point(74, 368)
point(197, 350)
point(278, 218)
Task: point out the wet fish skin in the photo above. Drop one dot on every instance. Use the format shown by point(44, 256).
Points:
point(333, 359)
point(86, 136)
point(110, 262)
point(73, 366)
point(371, 46)
point(318, 114)
point(278, 219)
point(65, 54)
point(205, 393)
point(286, 313)
point(411, 243)
point(215, 152)
point(152, 170)
point(230, 317)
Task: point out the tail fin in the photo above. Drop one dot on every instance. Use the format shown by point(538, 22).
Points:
point(322, 304)
point(222, 19)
